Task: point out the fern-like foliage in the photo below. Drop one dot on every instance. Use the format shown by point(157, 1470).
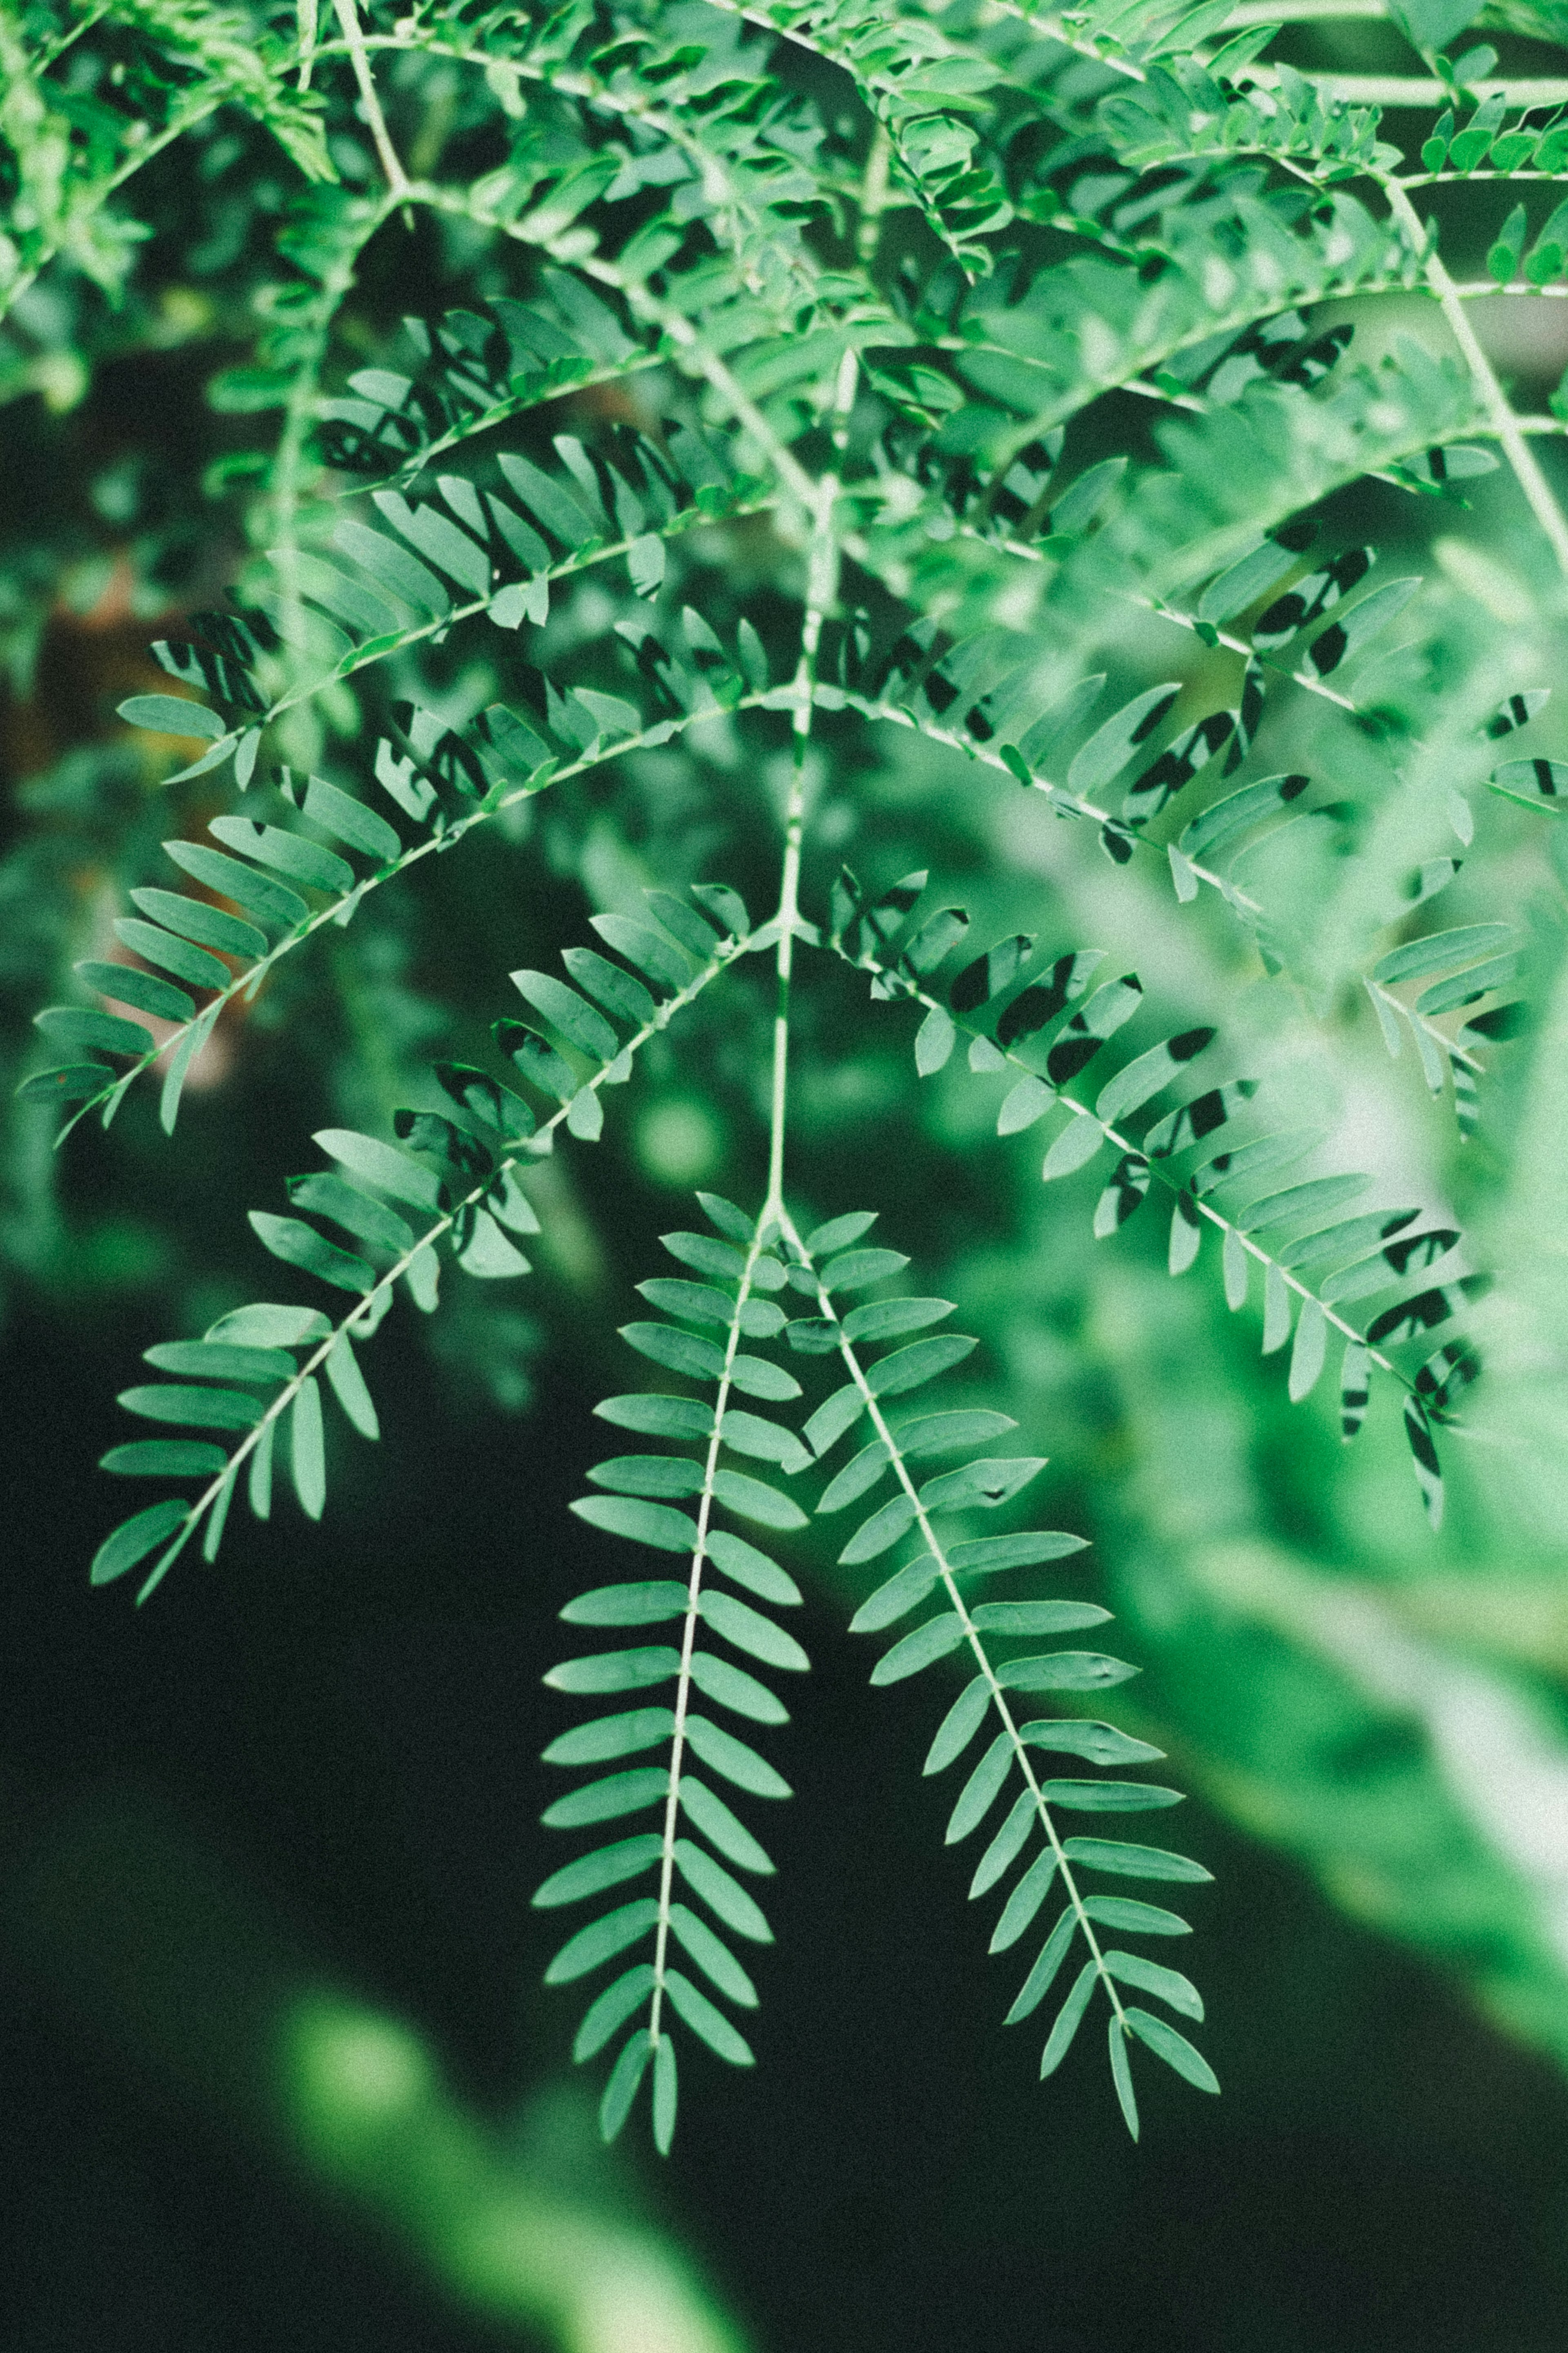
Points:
point(935, 438)
point(734, 1305)
point(1017, 1009)
point(948, 1569)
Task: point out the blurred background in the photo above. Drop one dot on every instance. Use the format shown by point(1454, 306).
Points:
point(277, 2066)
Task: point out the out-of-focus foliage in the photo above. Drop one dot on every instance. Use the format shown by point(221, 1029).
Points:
point(1010, 520)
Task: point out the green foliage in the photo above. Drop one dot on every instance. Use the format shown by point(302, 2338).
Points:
point(918, 434)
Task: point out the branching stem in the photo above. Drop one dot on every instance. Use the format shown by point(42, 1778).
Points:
point(689, 1636)
point(354, 38)
point(1516, 448)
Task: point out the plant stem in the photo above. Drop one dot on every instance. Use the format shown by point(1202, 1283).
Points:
point(689, 1638)
point(1516, 448)
point(821, 587)
point(348, 17)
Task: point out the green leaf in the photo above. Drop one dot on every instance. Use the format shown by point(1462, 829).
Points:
point(836, 1414)
point(1042, 1976)
point(601, 1940)
point(612, 1736)
point(347, 1385)
point(1148, 1977)
point(981, 1789)
point(721, 1827)
point(327, 1195)
point(264, 1327)
point(1024, 1550)
point(659, 1415)
point(125, 985)
point(664, 2092)
point(1134, 1861)
point(219, 1361)
point(197, 1408)
point(605, 1800)
point(883, 1528)
point(651, 1524)
point(1059, 2040)
point(1073, 1148)
point(338, 813)
point(839, 1232)
point(1125, 1912)
point(270, 902)
point(731, 1687)
point(626, 2081)
point(1109, 1796)
point(886, 1319)
point(765, 1441)
point(649, 1474)
point(382, 1164)
point(713, 1956)
point(1173, 2048)
point(577, 1021)
point(306, 1450)
point(981, 1484)
point(193, 919)
point(488, 1253)
point(958, 1726)
point(609, 1671)
point(860, 1474)
point(754, 1570)
point(1026, 1900)
point(1121, 2075)
point(627, 1605)
point(853, 1270)
point(896, 1597)
point(104, 1033)
point(134, 1538)
point(1112, 746)
point(704, 2019)
point(612, 2010)
point(999, 1856)
point(300, 1245)
point(678, 1352)
point(1064, 1671)
point(754, 1499)
point(286, 853)
point(592, 1873)
point(933, 1641)
point(756, 1377)
point(1098, 1744)
point(752, 1633)
point(1539, 784)
point(165, 1458)
point(934, 1042)
point(170, 714)
point(1037, 1617)
point(721, 1893)
point(731, 1757)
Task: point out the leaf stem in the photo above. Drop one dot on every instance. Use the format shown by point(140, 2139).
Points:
point(972, 1633)
point(688, 1635)
point(822, 588)
point(353, 36)
point(1521, 457)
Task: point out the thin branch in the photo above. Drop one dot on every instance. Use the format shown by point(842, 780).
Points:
point(353, 36)
point(1521, 457)
point(960, 1607)
point(688, 1635)
point(822, 589)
